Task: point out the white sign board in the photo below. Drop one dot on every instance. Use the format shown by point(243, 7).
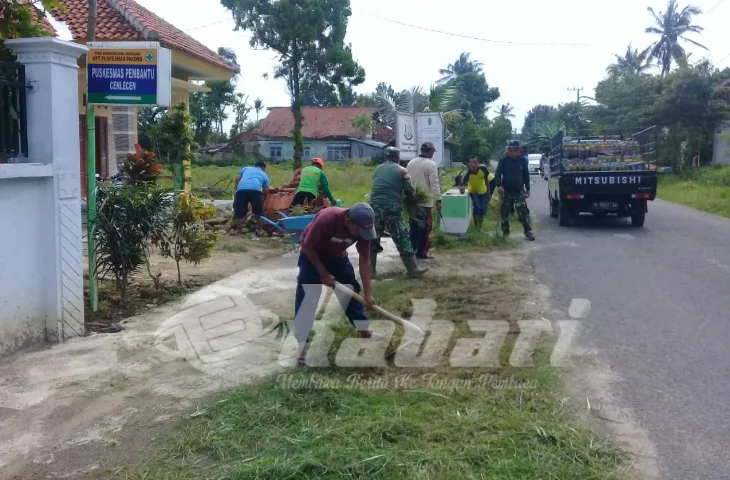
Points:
point(406, 138)
point(430, 128)
point(412, 130)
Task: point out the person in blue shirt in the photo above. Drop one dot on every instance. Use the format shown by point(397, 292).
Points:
point(252, 186)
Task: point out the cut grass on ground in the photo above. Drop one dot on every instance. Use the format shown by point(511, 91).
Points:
point(349, 182)
point(282, 430)
point(706, 189)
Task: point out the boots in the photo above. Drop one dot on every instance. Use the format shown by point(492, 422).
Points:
point(413, 270)
point(373, 264)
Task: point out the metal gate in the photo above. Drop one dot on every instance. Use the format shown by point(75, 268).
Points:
point(13, 121)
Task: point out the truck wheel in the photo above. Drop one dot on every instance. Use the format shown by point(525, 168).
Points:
point(553, 207)
point(564, 215)
point(637, 218)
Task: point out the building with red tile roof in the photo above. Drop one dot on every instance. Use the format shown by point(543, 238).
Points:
point(328, 133)
point(128, 21)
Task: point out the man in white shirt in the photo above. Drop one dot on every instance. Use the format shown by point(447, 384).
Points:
point(424, 174)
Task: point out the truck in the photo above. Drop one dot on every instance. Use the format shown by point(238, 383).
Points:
point(602, 176)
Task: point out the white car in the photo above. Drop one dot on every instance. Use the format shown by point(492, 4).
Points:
point(534, 161)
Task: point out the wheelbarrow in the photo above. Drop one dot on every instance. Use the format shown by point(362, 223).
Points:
point(292, 226)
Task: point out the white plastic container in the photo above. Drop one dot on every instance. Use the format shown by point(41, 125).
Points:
point(455, 212)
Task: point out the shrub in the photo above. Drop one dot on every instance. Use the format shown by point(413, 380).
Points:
point(128, 217)
point(186, 238)
point(140, 166)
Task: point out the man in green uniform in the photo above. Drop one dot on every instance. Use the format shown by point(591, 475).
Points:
point(513, 182)
point(312, 178)
point(390, 183)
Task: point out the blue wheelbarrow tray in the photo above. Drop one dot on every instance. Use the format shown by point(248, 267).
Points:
point(293, 226)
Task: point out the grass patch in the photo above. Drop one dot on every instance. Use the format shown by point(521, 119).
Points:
point(706, 189)
point(349, 182)
point(275, 430)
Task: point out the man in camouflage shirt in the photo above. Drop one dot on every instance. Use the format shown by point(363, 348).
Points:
point(390, 183)
point(513, 182)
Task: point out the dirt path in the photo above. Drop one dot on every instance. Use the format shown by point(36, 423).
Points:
point(96, 402)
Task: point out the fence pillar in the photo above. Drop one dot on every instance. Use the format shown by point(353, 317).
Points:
point(53, 138)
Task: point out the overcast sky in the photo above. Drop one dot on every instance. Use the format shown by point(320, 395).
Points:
point(557, 45)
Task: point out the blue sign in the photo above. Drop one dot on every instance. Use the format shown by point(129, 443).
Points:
point(128, 77)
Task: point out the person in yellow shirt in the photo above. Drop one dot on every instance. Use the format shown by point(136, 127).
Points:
point(477, 182)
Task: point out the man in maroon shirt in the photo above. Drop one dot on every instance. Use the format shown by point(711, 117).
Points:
point(323, 261)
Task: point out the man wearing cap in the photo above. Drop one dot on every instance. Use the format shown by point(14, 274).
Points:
point(513, 183)
point(312, 179)
point(323, 261)
point(424, 174)
point(390, 183)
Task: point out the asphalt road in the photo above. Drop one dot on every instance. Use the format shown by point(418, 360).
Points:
point(660, 317)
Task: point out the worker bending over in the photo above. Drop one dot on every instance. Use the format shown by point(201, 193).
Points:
point(252, 186)
point(323, 261)
point(312, 179)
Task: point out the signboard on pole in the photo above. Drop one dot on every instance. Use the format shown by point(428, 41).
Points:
point(129, 73)
point(430, 128)
point(406, 138)
point(412, 130)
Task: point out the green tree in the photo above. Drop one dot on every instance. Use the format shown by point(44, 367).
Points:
point(175, 141)
point(626, 104)
point(22, 19)
point(364, 122)
point(633, 62)
point(463, 64)
point(672, 26)
point(202, 117)
point(147, 118)
point(241, 109)
point(539, 114)
point(574, 117)
point(309, 37)
point(474, 94)
point(258, 105)
point(539, 139)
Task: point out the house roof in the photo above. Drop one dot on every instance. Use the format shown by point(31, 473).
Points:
point(126, 20)
point(319, 123)
point(372, 143)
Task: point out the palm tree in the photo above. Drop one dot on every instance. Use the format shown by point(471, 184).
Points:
point(539, 140)
point(464, 64)
point(258, 105)
point(673, 26)
point(415, 100)
point(505, 111)
point(633, 62)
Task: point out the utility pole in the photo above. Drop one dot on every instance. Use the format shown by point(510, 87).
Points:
point(578, 90)
point(91, 171)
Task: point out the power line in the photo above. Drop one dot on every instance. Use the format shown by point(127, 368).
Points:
point(716, 5)
point(459, 35)
point(442, 32)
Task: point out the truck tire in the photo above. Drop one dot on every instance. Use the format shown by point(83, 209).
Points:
point(637, 218)
point(564, 216)
point(553, 207)
point(638, 214)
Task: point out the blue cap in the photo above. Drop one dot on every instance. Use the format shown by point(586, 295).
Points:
point(363, 217)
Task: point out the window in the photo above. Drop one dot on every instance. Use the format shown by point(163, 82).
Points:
point(338, 153)
point(275, 153)
point(306, 154)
